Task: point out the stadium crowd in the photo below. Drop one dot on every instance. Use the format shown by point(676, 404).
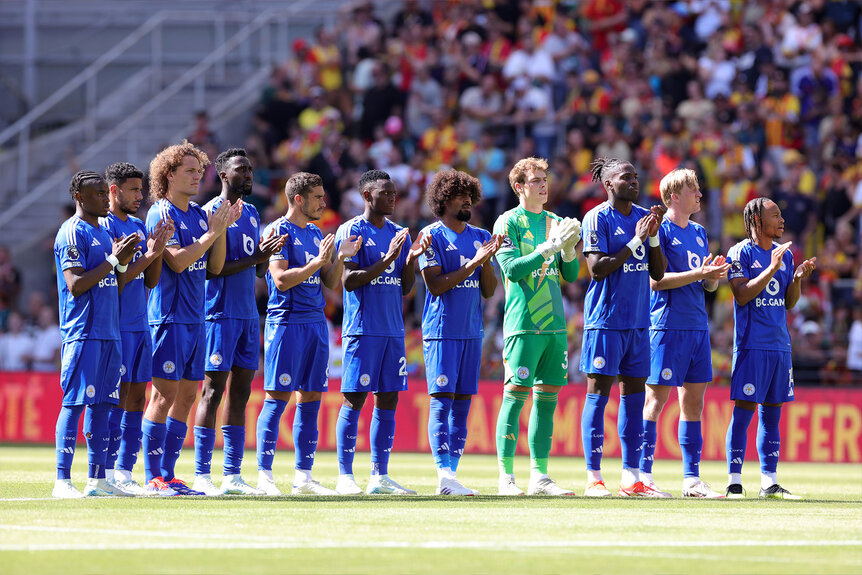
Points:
point(761, 98)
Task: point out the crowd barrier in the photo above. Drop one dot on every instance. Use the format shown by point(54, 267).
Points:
point(822, 425)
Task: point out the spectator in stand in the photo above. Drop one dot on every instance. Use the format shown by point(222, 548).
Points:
point(15, 345)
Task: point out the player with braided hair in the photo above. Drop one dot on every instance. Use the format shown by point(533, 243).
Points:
point(765, 285)
point(616, 320)
point(88, 261)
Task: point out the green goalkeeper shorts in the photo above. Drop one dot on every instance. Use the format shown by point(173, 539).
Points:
point(531, 359)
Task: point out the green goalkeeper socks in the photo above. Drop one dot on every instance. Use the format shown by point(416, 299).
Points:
point(507, 428)
point(541, 430)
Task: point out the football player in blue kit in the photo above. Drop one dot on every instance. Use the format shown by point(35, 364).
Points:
point(681, 353)
point(125, 184)
point(375, 360)
point(175, 307)
point(616, 319)
point(232, 330)
point(86, 258)
point(296, 337)
point(765, 285)
point(459, 272)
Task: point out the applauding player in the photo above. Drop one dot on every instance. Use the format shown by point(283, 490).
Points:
point(679, 335)
point(458, 271)
point(232, 330)
point(375, 360)
point(86, 258)
point(296, 339)
point(765, 285)
point(125, 183)
point(616, 320)
point(535, 353)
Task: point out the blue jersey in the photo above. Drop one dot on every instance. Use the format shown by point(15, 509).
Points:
point(303, 303)
point(762, 322)
point(233, 296)
point(683, 307)
point(95, 314)
point(621, 300)
point(179, 297)
point(456, 314)
point(133, 299)
point(375, 308)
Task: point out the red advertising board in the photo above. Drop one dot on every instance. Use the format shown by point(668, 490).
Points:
point(821, 425)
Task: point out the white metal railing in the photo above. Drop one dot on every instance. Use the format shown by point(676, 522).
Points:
point(215, 59)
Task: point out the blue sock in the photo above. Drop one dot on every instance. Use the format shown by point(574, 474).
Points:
point(65, 436)
point(154, 447)
point(737, 438)
point(648, 448)
point(458, 431)
point(691, 444)
point(234, 448)
point(382, 437)
point(305, 433)
point(131, 442)
point(768, 437)
point(115, 435)
point(438, 430)
point(174, 439)
point(267, 432)
point(631, 428)
point(96, 432)
point(346, 430)
point(204, 445)
point(593, 429)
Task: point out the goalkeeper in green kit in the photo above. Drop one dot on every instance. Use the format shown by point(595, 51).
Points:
point(537, 248)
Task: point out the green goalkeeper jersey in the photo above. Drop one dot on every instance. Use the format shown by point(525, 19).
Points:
point(534, 301)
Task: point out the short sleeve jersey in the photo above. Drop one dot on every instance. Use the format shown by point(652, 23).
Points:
point(95, 314)
point(179, 297)
point(303, 303)
point(375, 308)
point(534, 304)
point(622, 299)
point(683, 307)
point(133, 299)
point(457, 313)
point(233, 296)
point(762, 322)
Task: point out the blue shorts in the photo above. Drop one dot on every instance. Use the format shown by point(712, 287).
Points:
point(179, 351)
point(452, 365)
point(616, 352)
point(232, 342)
point(296, 356)
point(374, 363)
point(137, 355)
point(762, 376)
point(90, 372)
point(679, 356)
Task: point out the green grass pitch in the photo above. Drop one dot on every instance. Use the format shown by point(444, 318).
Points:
point(486, 534)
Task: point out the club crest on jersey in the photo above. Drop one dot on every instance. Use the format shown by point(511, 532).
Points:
point(202, 224)
point(666, 374)
point(442, 380)
point(317, 242)
point(523, 372)
point(700, 242)
point(477, 244)
point(73, 253)
point(216, 359)
point(169, 367)
point(284, 379)
point(122, 370)
point(364, 380)
point(599, 362)
point(783, 266)
point(91, 391)
point(253, 222)
point(748, 389)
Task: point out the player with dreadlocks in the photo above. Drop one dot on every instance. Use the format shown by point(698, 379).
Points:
point(616, 320)
point(89, 301)
point(765, 285)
